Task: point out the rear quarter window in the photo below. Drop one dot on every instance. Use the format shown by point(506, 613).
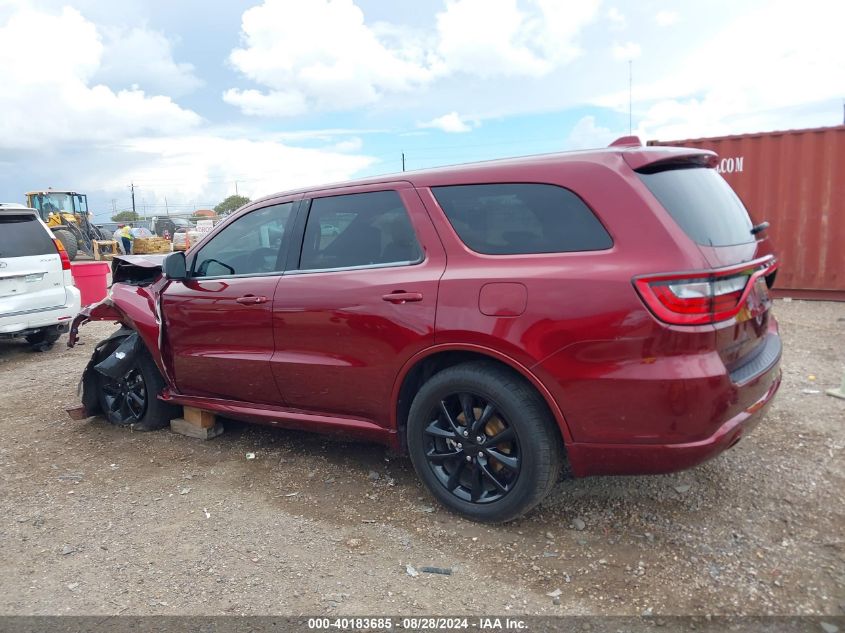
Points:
point(702, 204)
point(23, 236)
point(521, 218)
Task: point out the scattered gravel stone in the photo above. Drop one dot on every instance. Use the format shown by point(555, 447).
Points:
point(68, 549)
point(681, 489)
point(578, 524)
point(827, 627)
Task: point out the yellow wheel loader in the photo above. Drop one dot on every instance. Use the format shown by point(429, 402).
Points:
point(66, 214)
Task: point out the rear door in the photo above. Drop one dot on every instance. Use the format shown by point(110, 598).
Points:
point(358, 301)
point(31, 276)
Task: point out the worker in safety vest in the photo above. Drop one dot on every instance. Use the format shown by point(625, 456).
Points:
point(126, 237)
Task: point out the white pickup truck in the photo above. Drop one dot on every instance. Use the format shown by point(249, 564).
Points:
point(38, 297)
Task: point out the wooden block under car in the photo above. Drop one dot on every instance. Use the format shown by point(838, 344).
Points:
point(183, 427)
point(199, 417)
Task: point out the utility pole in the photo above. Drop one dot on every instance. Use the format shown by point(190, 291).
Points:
point(113, 206)
point(403, 161)
point(166, 208)
point(236, 187)
point(132, 187)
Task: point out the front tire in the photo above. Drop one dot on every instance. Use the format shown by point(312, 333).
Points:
point(483, 442)
point(132, 399)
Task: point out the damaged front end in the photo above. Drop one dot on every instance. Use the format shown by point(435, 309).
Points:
point(133, 302)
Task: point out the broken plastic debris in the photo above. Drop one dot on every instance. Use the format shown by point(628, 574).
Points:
point(413, 573)
point(554, 594)
point(443, 571)
point(120, 355)
point(811, 391)
point(250, 455)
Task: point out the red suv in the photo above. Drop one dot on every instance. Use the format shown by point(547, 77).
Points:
point(609, 308)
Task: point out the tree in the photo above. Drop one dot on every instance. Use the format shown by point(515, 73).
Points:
point(125, 216)
point(230, 204)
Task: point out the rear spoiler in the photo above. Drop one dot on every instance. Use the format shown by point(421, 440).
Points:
point(657, 158)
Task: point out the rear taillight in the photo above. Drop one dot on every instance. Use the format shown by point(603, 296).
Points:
point(62, 255)
point(698, 298)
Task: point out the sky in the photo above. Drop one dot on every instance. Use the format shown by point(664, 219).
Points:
point(192, 100)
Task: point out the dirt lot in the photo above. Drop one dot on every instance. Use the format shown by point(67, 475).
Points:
point(98, 520)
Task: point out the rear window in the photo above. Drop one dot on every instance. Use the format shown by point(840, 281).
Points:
point(703, 204)
point(514, 219)
point(24, 235)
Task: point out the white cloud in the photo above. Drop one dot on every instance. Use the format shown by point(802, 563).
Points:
point(488, 38)
point(766, 66)
point(48, 96)
point(207, 165)
point(586, 134)
point(666, 18)
point(617, 19)
point(451, 122)
point(60, 127)
point(626, 51)
point(144, 57)
point(353, 64)
point(346, 66)
point(273, 103)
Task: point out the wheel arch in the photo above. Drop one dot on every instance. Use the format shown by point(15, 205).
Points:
point(422, 366)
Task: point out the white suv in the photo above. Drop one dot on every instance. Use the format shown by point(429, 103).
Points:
point(38, 298)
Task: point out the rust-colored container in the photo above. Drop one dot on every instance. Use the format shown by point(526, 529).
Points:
point(795, 180)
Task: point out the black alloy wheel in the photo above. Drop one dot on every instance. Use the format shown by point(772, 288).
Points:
point(124, 399)
point(472, 449)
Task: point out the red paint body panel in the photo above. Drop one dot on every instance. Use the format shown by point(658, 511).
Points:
point(630, 393)
point(795, 180)
point(219, 347)
point(339, 344)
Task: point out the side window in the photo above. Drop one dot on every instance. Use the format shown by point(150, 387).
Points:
point(253, 244)
point(511, 219)
point(359, 229)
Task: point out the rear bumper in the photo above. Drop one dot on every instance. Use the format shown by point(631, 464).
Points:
point(646, 459)
point(25, 323)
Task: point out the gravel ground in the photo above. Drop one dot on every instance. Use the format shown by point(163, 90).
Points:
point(99, 520)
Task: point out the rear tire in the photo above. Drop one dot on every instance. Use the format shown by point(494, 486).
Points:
point(43, 340)
point(132, 400)
point(68, 240)
point(503, 462)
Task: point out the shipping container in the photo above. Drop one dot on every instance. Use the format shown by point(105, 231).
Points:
point(795, 180)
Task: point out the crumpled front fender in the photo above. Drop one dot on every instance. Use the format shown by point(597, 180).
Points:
point(88, 387)
point(134, 307)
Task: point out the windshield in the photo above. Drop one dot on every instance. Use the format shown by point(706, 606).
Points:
point(703, 204)
point(47, 203)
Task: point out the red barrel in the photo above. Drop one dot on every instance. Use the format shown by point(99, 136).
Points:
point(92, 280)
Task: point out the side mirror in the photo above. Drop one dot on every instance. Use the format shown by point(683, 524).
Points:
point(174, 266)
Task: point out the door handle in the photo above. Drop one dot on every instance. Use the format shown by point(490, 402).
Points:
point(402, 297)
point(251, 300)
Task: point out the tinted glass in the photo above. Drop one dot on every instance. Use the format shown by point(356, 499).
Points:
point(253, 244)
point(361, 229)
point(510, 219)
point(703, 204)
point(24, 235)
